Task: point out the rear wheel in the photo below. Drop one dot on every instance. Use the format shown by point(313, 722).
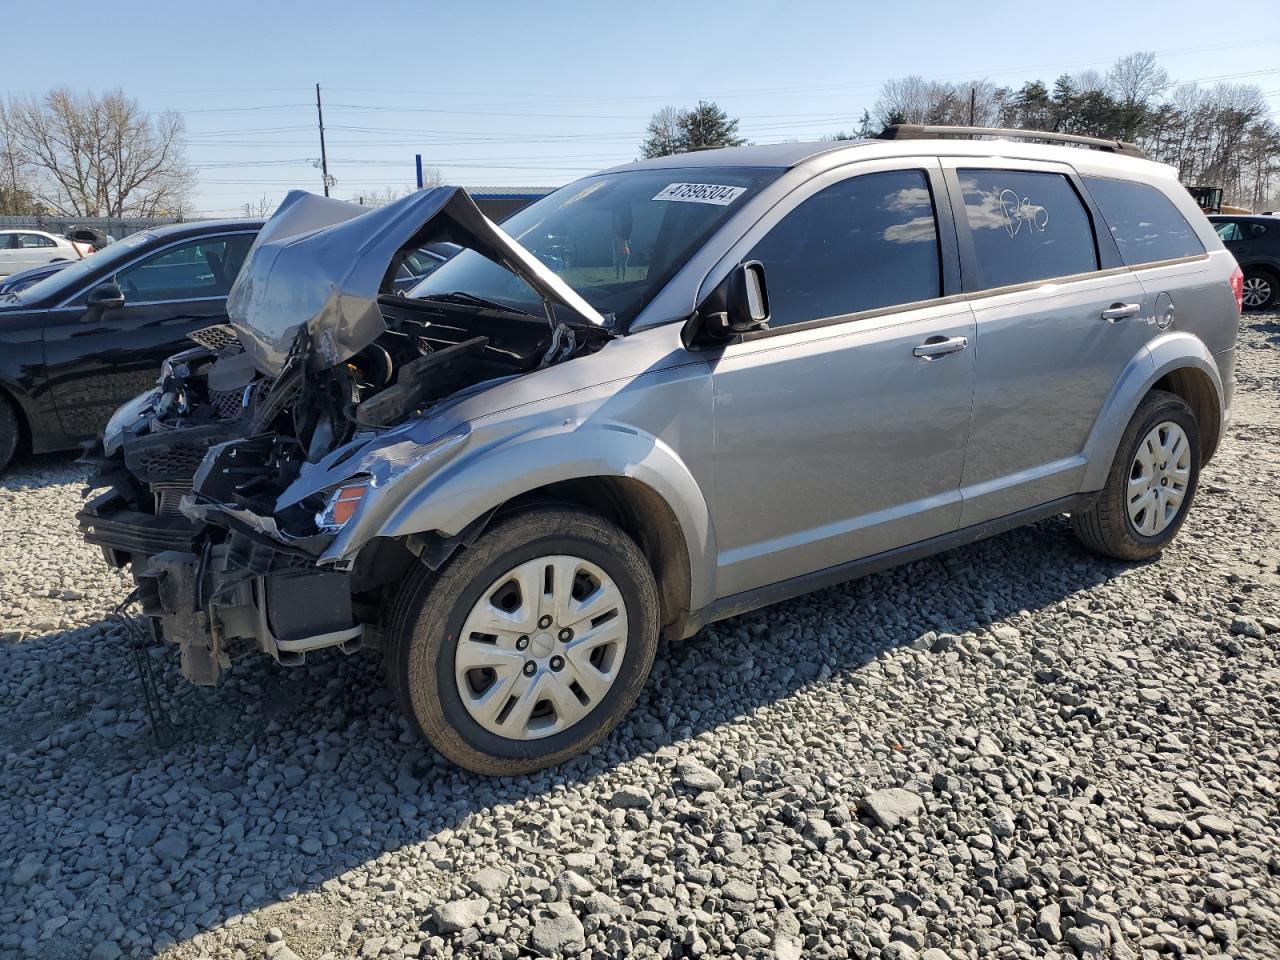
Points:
point(528, 647)
point(1151, 484)
point(1260, 289)
point(9, 432)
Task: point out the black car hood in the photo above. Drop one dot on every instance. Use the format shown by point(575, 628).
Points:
point(319, 265)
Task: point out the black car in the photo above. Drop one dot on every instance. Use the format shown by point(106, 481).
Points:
point(77, 344)
point(1254, 240)
point(419, 264)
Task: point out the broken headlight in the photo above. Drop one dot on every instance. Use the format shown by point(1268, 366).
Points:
point(344, 499)
point(342, 504)
point(126, 414)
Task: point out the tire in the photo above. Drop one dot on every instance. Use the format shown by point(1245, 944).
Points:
point(433, 608)
point(1261, 285)
point(1107, 526)
point(10, 432)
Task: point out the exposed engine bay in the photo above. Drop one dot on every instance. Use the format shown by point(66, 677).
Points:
point(196, 471)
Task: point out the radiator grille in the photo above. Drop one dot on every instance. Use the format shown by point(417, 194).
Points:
point(168, 495)
point(227, 403)
point(217, 337)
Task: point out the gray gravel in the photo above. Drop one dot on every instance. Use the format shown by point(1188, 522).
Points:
point(1012, 750)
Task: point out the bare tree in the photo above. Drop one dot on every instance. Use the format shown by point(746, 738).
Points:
point(916, 100)
point(260, 208)
point(1135, 81)
point(16, 195)
point(1088, 81)
point(431, 177)
point(95, 156)
point(664, 135)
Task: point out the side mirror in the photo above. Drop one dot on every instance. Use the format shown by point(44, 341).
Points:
point(105, 296)
point(746, 302)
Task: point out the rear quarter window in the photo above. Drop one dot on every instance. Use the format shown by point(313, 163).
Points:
point(1146, 225)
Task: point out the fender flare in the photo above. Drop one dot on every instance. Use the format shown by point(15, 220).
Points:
point(1169, 352)
point(483, 478)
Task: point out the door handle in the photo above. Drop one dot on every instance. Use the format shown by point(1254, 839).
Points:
point(1121, 311)
point(939, 346)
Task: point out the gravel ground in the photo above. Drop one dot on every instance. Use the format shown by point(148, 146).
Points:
point(1015, 749)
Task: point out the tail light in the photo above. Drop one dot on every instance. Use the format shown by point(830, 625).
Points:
point(1237, 287)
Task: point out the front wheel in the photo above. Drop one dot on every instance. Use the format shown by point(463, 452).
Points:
point(1151, 484)
point(528, 647)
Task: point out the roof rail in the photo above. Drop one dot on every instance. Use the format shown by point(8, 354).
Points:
point(916, 131)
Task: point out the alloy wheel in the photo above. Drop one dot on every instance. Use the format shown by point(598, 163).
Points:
point(1257, 291)
point(1158, 478)
point(541, 647)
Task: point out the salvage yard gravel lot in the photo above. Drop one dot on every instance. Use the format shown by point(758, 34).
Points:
point(1015, 749)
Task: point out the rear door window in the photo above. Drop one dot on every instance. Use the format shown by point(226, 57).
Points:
point(1146, 225)
point(1026, 226)
point(1228, 230)
point(861, 244)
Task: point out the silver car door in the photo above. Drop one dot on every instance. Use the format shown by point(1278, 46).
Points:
point(1057, 322)
point(840, 432)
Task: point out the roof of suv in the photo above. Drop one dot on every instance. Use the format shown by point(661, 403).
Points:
point(787, 155)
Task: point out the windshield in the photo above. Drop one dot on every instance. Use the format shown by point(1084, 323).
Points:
point(68, 278)
point(616, 239)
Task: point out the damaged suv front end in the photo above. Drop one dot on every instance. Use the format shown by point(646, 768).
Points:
point(243, 488)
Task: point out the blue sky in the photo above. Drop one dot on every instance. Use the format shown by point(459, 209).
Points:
point(542, 93)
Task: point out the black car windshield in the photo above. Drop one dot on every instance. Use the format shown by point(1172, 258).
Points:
point(616, 239)
point(69, 277)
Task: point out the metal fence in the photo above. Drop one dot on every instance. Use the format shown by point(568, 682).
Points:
point(117, 227)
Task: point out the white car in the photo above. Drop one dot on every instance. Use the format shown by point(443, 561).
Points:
point(23, 249)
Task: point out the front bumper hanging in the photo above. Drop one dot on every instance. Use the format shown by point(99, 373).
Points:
point(220, 601)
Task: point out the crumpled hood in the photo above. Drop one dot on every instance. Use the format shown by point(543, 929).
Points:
point(319, 264)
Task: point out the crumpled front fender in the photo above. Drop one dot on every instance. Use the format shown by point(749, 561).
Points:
point(446, 497)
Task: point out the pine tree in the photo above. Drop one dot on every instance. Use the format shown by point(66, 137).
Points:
point(679, 131)
point(707, 126)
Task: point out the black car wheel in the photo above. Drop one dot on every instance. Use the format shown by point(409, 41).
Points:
point(1260, 289)
point(9, 432)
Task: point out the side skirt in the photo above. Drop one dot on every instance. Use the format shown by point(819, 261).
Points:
point(749, 600)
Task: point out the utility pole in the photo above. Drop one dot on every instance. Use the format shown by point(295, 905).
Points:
point(973, 101)
point(324, 160)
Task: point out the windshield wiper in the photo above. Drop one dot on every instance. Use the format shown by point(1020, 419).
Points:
point(461, 296)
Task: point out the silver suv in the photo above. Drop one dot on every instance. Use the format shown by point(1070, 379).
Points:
point(664, 395)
